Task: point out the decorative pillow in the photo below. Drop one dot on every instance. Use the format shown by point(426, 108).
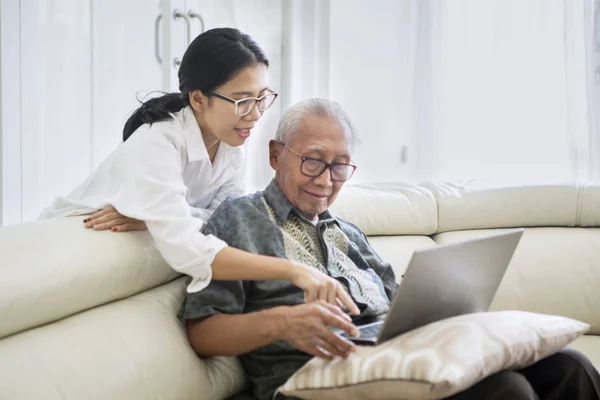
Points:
point(437, 360)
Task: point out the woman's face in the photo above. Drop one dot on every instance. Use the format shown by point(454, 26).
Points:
point(217, 117)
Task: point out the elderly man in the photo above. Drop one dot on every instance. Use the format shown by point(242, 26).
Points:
point(269, 325)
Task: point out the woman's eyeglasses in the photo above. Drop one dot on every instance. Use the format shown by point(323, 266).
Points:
point(245, 106)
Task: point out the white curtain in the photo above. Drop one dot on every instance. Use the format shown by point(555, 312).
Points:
point(502, 90)
point(496, 90)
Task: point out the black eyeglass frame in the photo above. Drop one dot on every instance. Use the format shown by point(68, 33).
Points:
point(326, 165)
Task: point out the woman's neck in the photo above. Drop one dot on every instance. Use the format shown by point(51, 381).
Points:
point(211, 142)
point(212, 147)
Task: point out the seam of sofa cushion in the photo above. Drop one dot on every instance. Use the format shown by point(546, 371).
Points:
point(434, 194)
point(580, 195)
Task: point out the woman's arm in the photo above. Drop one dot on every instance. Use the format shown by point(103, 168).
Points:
point(150, 187)
point(233, 264)
point(110, 218)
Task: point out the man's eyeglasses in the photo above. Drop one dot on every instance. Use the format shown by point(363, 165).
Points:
point(245, 106)
point(313, 167)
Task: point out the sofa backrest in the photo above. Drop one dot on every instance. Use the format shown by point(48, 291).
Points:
point(53, 269)
point(431, 208)
point(56, 268)
point(555, 269)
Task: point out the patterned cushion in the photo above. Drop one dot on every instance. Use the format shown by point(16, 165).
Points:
point(437, 360)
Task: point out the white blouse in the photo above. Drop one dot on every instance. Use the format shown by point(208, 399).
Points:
point(163, 176)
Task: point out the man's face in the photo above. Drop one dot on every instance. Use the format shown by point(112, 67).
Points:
point(320, 138)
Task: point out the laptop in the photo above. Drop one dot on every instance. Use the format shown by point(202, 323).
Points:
point(442, 282)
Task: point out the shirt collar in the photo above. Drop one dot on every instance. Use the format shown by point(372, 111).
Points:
point(196, 149)
point(282, 206)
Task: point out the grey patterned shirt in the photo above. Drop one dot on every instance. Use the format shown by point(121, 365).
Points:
point(267, 223)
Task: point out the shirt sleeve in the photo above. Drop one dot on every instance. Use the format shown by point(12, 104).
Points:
point(200, 213)
point(148, 173)
point(239, 223)
point(219, 297)
point(231, 222)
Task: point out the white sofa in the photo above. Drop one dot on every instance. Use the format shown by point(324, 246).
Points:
point(93, 315)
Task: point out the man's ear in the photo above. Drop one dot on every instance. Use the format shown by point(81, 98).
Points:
point(275, 154)
point(198, 100)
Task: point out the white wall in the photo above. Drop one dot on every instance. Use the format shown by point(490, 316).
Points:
point(70, 74)
point(503, 93)
point(436, 91)
point(592, 30)
point(10, 130)
point(1, 166)
point(56, 84)
point(122, 42)
point(71, 78)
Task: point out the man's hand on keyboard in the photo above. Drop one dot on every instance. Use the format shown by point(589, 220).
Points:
point(306, 327)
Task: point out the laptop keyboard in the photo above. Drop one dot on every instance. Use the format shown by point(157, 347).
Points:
point(371, 330)
point(366, 331)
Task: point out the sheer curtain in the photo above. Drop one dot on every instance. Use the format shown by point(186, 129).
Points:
point(502, 90)
point(497, 90)
point(356, 52)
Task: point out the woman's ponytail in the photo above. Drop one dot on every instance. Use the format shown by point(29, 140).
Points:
point(153, 110)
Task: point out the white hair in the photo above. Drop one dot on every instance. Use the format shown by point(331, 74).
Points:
point(292, 119)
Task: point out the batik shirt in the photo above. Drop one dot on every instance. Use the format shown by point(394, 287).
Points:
point(267, 223)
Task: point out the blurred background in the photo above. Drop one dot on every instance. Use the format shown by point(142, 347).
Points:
point(501, 91)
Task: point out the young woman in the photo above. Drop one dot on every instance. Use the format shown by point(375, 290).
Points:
point(181, 156)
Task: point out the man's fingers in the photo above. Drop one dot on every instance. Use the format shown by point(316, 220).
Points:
point(317, 351)
point(323, 293)
point(334, 317)
point(342, 345)
point(310, 296)
point(337, 310)
point(337, 319)
point(332, 349)
point(347, 300)
point(323, 345)
point(340, 305)
point(331, 295)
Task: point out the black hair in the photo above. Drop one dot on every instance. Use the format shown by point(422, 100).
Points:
point(212, 59)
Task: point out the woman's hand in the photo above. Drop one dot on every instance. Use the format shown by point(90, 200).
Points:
point(319, 286)
point(110, 218)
